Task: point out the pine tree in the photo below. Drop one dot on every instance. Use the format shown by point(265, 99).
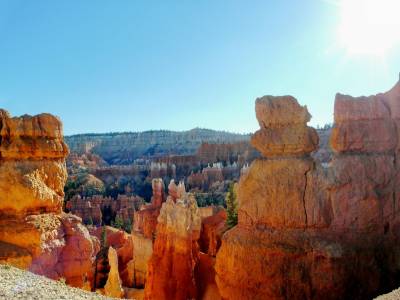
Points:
point(231, 206)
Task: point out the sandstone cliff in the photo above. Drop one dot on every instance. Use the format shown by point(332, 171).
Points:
point(311, 232)
point(34, 233)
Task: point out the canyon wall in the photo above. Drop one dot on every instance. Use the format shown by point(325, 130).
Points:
point(308, 230)
point(34, 233)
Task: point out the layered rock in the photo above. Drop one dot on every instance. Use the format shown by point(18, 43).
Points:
point(311, 232)
point(284, 130)
point(34, 233)
point(175, 254)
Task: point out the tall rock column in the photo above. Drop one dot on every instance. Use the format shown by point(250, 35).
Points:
point(113, 287)
point(175, 254)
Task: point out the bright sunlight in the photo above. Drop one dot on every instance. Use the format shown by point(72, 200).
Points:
point(369, 27)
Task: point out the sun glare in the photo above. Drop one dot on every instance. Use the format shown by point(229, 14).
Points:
point(369, 27)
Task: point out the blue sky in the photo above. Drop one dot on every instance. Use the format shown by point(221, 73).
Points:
point(137, 65)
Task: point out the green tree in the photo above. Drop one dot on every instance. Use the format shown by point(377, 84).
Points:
point(127, 226)
point(103, 238)
point(231, 206)
point(118, 223)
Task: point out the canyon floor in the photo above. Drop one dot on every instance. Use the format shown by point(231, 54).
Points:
point(20, 284)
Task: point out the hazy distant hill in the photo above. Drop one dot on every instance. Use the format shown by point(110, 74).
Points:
point(123, 148)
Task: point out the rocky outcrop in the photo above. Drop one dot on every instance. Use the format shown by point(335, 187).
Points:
point(35, 233)
point(113, 287)
point(175, 255)
point(308, 231)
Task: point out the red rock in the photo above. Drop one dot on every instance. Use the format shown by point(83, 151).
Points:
point(175, 254)
point(34, 232)
point(145, 220)
point(363, 124)
point(290, 141)
point(205, 278)
point(90, 208)
point(212, 229)
point(284, 130)
point(142, 252)
point(308, 231)
point(31, 137)
point(122, 244)
point(279, 187)
point(281, 111)
point(77, 257)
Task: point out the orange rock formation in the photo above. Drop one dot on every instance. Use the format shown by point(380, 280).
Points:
point(175, 254)
point(311, 232)
point(122, 244)
point(212, 229)
point(34, 233)
point(113, 287)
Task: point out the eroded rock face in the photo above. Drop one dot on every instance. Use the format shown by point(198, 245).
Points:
point(142, 251)
point(77, 257)
point(311, 232)
point(212, 229)
point(31, 137)
point(36, 234)
point(175, 254)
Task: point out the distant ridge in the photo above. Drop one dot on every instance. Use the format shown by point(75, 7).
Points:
point(125, 147)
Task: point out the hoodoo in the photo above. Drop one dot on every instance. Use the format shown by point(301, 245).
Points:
point(176, 252)
point(34, 233)
point(311, 232)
